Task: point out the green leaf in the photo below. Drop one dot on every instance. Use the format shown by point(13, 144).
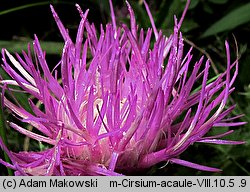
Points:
point(23, 7)
point(22, 98)
point(193, 4)
point(18, 46)
point(188, 25)
point(218, 1)
point(30, 6)
point(174, 9)
point(247, 93)
point(3, 135)
point(232, 20)
point(142, 18)
point(207, 8)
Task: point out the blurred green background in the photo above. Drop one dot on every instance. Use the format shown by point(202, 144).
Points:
point(207, 25)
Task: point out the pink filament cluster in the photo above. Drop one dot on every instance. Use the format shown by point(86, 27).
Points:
point(117, 103)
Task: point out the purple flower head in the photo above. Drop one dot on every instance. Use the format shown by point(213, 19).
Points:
point(115, 103)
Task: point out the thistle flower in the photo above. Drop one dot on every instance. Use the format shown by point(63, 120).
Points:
point(128, 107)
